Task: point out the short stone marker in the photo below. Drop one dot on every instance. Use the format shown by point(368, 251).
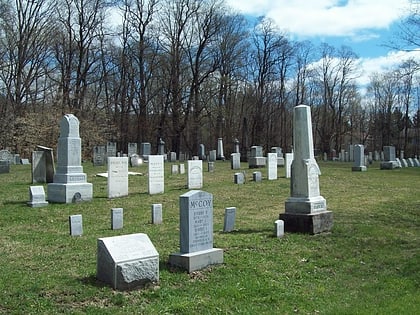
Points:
point(174, 169)
point(117, 177)
point(212, 155)
point(156, 174)
point(117, 218)
point(410, 162)
point(25, 161)
point(196, 233)
point(37, 197)
point(210, 167)
point(229, 222)
point(257, 176)
point(235, 161)
point(76, 225)
point(195, 174)
point(4, 167)
point(135, 160)
point(127, 261)
point(279, 228)
point(157, 213)
point(181, 168)
point(99, 155)
point(239, 178)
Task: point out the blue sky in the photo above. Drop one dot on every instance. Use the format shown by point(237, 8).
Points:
point(364, 25)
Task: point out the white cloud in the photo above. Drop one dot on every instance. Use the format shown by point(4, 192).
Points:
point(306, 18)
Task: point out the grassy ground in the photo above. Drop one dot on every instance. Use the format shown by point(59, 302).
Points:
point(368, 264)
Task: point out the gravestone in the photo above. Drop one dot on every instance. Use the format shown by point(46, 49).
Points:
point(257, 176)
point(5, 155)
point(399, 165)
point(404, 163)
point(161, 147)
point(127, 261)
point(279, 152)
point(220, 154)
point(156, 174)
point(99, 155)
point(195, 174)
point(131, 149)
point(111, 149)
point(25, 161)
point(410, 162)
point(239, 178)
point(117, 177)
point(172, 156)
point(145, 150)
point(69, 179)
point(174, 169)
point(37, 197)
point(39, 172)
point(288, 163)
point(256, 158)
point(135, 160)
point(359, 158)
point(117, 218)
point(201, 152)
point(76, 225)
point(157, 213)
point(229, 220)
point(4, 167)
point(305, 210)
point(182, 157)
point(401, 154)
point(181, 168)
point(416, 162)
point(279, 228)
point(196, 233)
point(212, 156)
point(210, 167)
point(235, 161)
point(388, 161)
point(236, 148)
point(272, 166)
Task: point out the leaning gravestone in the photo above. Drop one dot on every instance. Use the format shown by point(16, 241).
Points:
point(195, 174)
point(229, 221)
point(38, 167)
point(69, 179)
point(196, 233)
point(257, 176)
point(127, 261)
point(156, 174)
point(117, 177)
point(306, 210)
point(272, 166)
point(37, 197)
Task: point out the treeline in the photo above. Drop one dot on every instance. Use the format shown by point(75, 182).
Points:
point(189, 72)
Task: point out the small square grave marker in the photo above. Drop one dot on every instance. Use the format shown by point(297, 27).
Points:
point(156, 213)
point(229, 222)
point(76, 225)
point(117, 218)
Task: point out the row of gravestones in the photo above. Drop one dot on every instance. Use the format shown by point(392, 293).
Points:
point(7, 159)
point(128, 261)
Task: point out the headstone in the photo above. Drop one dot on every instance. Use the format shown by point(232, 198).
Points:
point(201, 152)
point(145, 150)
point(212, 156)
point(279, 228)
point(288, 164)
point(172, 156)
point(399, 165)
point(257, 176)
point(37, 197)
point(182, 157)
point(69, 179)
point(39, 172)
point(161, 147)
point(416, 162)
point(5, 155)
point(195, 174)
point(377, 156)
point(17, 159)
point(359, 158)
point(25, 161)
point(157, 213)
point(351, 153)
point(279, 152)
point(99, 155)
point(135, 160)
point(256, 158)
point(127, 261)
point(229, 221)
point(117, 218)
point(156, 174)
point(181, 168)
point(388, 162)
point(220, 154)
point(305, 210)
point(174, 169)
point(404, 163)
point(47, 161)
point(343, 155)
point(410, 162)
point(196, 233)
point(236, 148)
point(235, 161)
point(117, 177)
point(210, 167)
point(76, 225)
point(239, 178)
point(131, 149)
point(272, 166)
point(111, 149)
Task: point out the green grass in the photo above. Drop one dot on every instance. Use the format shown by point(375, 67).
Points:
point(368, 264)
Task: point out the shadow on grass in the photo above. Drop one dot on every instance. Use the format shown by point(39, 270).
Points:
point(93, 281)
point(267, 231)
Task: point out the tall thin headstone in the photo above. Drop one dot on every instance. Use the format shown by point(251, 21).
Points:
point(99, 155)
point(235, 161)
point(117, 177)
point(111, 149)
point(220, 154)
point(272, 166)
point(202, 152)
point(156, 174)
point(156, 213)
point(229, 220)
point(195, 174)
point(359, 158)
point(196, 233)
point(70, 183)
point(305, 210)
point(117, 218)
point(288, 164)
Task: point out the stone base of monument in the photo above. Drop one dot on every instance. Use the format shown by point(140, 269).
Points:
point(388, 165)
point(312, 223)
point(359, 168)
point(197, 260)
point(69, 193)
point(256, 162)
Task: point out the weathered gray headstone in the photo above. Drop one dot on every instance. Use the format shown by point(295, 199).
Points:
point(181, 168)
point(111, 149)
point(272, 166)
point(279, 152)
point(131, 149)
point(279, 228)
point(196, 233)
point(99, 155)
point(37, 197)
point(38, 167)
point(359, 158)
point(288, 164)
point(257, 176)
point(117, 177)
point(210, 167)
point(388, 161)
point(135, 160)
point(235, 161)
point(172, 156)
point(174, 169)
point(127, 261)
point(306, 210)
point(229, 220)
point(157, 213)
point(69, 180)
point(195, 174)
point(239, 178)
point(76, 225)
point(25, 161)
point(220, 154)
point(161, 147)
point(212, 156)
point(145, 150)
point(236, 148)
point(201, 152)
point(117, 218)
point(156, 174)
point(256, 158)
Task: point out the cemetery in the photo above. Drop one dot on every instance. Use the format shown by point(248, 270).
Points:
point(75, 257)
